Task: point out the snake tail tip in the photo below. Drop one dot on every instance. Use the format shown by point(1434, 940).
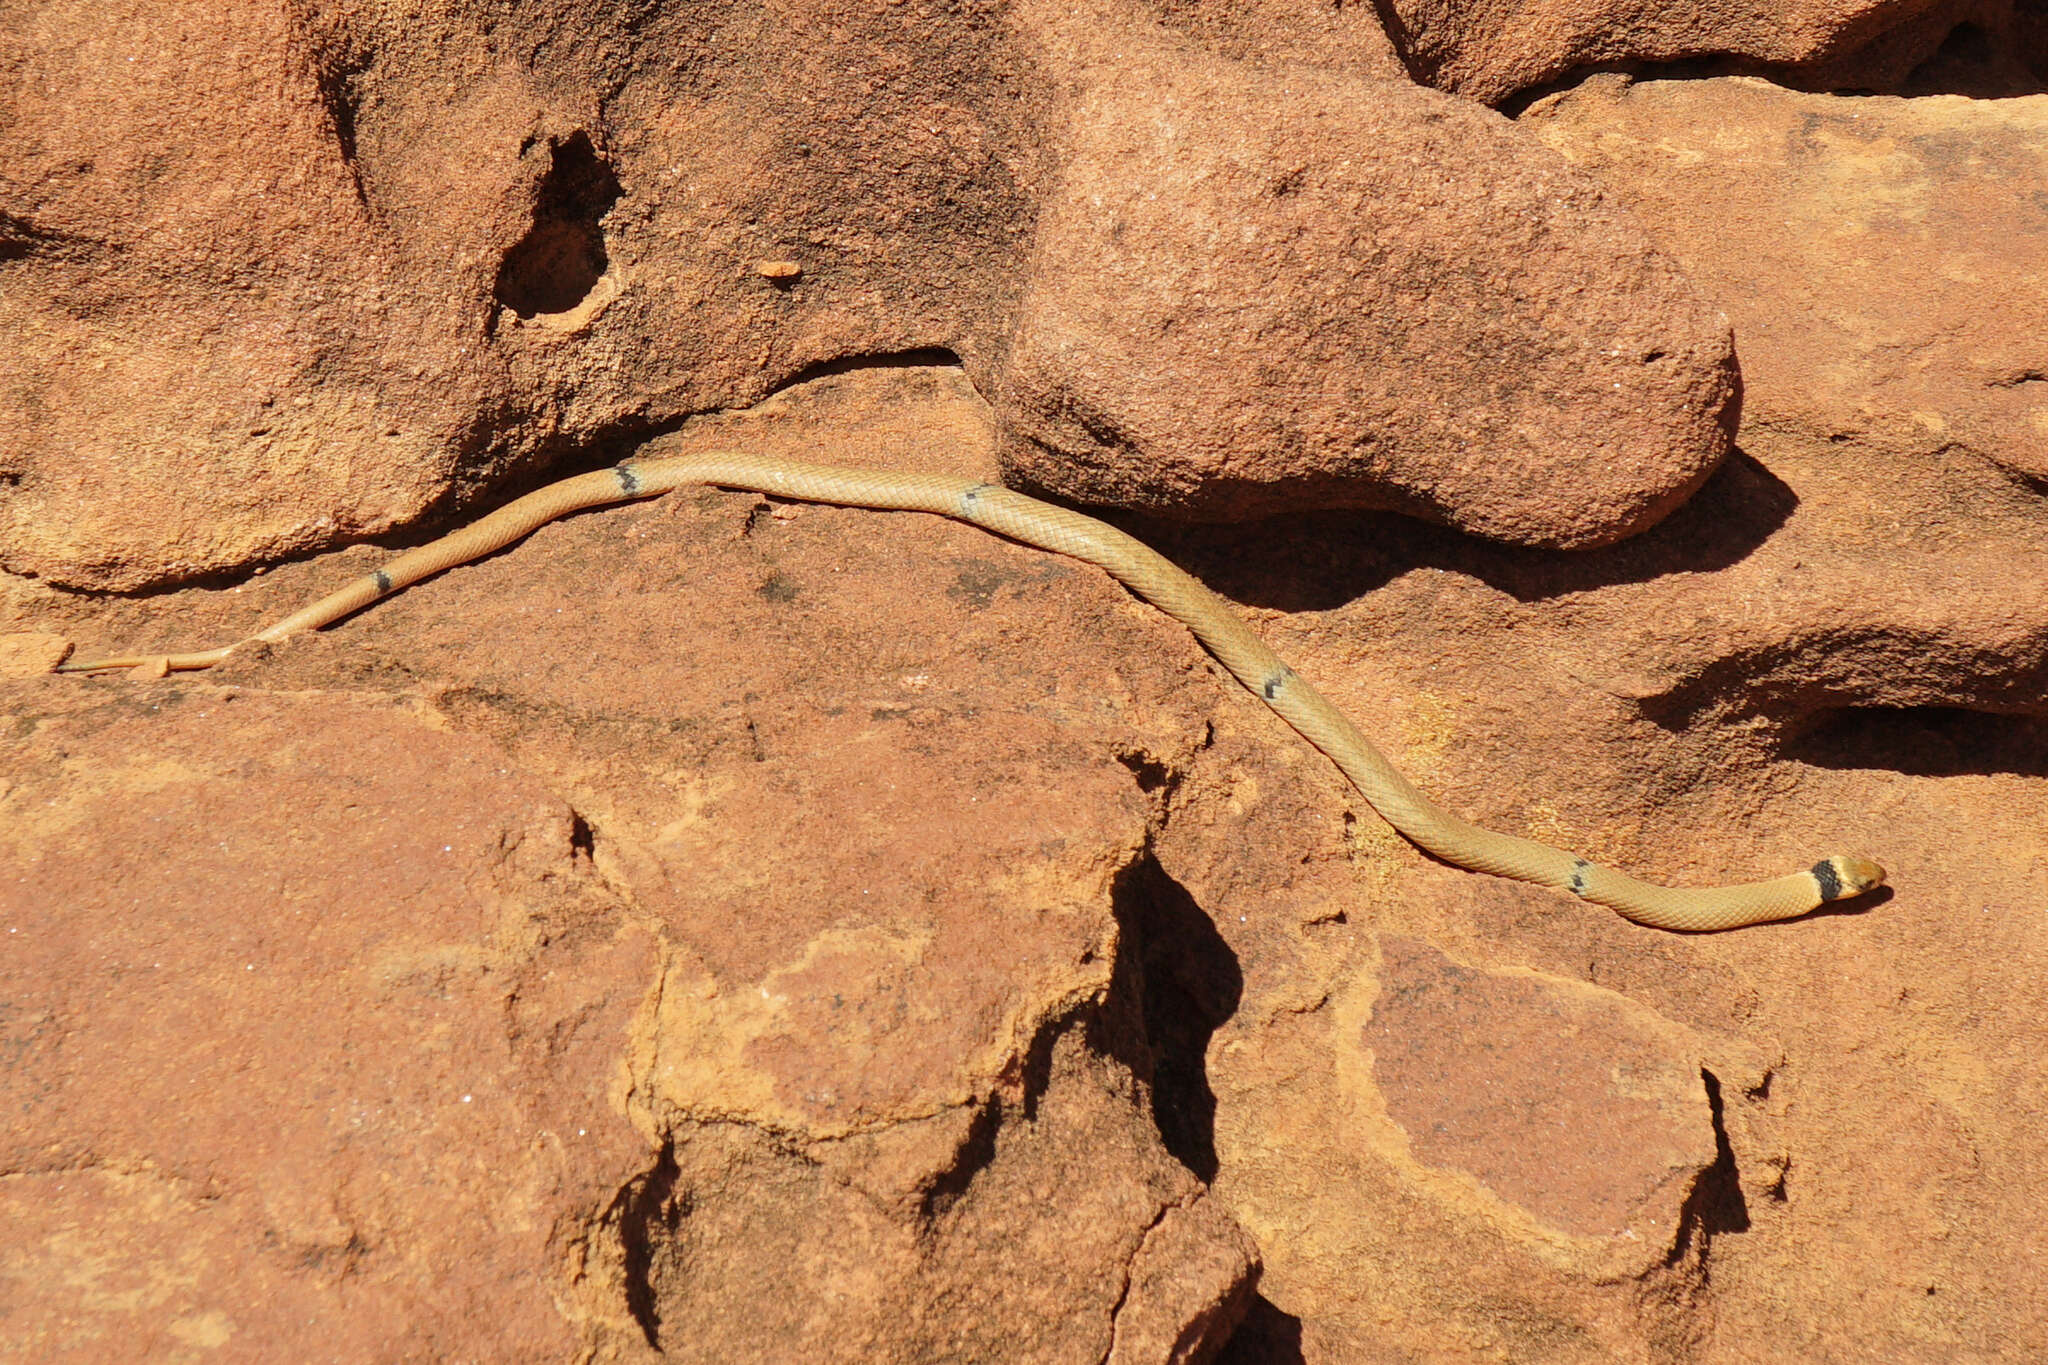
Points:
point(145, 665)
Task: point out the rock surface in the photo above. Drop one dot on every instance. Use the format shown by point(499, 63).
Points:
point(478, 247)
point(311, 1033)
point(876, 1028)
point(1884, 260)
point(1493, 50)
point(215, 353)
point(1234, 309)
point(831, 1016)
point(725, 930)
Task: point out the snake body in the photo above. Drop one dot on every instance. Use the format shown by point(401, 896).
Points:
point(1146, 573)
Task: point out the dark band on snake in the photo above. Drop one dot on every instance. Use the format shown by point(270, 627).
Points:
point(382, 580)
point(1830, 882)
point(629, 481)
point(1580, 867)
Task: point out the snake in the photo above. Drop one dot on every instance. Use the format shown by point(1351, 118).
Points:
point(1150, 576)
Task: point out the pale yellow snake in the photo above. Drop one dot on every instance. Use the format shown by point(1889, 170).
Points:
point(1152, 577)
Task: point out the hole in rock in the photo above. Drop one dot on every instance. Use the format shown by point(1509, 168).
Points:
point(17, 237)
point(1966, 43)
point(1922, 741)
point(1269, 1335)
point(976, 1155)
point(1181, 979)
point(649, 1211)
point(919, 357)
point(1152, 774)
point(977, 1152)
point(341, 93)
point(341, 80)
point(562, 257)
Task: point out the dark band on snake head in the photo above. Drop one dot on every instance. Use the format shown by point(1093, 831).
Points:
point(1830, 881)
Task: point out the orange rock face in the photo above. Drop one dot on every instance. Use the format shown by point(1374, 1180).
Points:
point(1493, 50)
point(867, 1081)
point(1884, 269)
point(283, 282)
point(718, 929)
point(1232, 311)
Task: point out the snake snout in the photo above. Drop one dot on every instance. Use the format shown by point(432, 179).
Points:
point(1858, 875)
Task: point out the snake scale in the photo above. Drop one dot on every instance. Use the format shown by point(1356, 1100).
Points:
point(1151, 576)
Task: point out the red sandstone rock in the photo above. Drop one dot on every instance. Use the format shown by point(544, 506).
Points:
point(1345, 37)
point(927, 1101)
point(312, 1018)
point(1259, 290)
point(1140, 996)
point(1492, 50)
point(863, 1082)
point(1882, 258)
point(279, 282)
point(1573, 1107)
point(214, 354)
point(27, 653)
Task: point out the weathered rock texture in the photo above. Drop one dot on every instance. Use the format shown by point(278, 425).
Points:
point(1885, 260)
point(1840, 641)
point(283, 278)
point(1493, 50)
point(1257, 290)
point(311, 1035)
point(718, 930)
point(705, 1002)
point(948, 962)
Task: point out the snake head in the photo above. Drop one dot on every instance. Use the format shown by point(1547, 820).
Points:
point(1853, 876)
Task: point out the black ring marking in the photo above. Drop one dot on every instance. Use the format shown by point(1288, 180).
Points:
point(629, 480)
point(1271, 687)
point(1830, 881)
point(1580, 867)
point(382, 580)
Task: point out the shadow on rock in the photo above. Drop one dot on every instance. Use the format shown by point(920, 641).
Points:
point(1267, 1336)
point(1321, 561)
point(1922, 741)
point(1176, 982)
